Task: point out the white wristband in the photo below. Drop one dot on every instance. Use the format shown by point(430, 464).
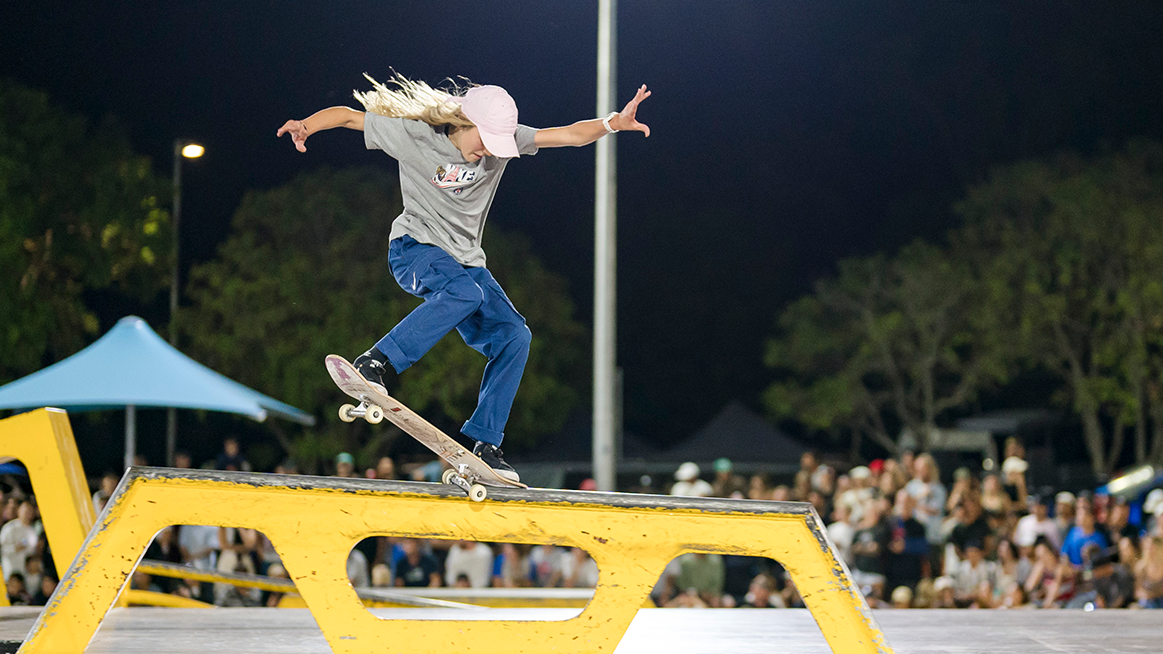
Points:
point(606, 122)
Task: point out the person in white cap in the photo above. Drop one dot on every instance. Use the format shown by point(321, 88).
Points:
point(1064, 512)
point(1013, 471)
point(1153, 512)
point(688, 484)
point(452, 148)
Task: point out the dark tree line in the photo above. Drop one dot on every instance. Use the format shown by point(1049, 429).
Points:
point(1057, 267)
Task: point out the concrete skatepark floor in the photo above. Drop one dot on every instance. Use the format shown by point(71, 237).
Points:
point(674, 631)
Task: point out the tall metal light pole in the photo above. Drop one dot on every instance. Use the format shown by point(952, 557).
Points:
point(188, 150)
point(605, 262)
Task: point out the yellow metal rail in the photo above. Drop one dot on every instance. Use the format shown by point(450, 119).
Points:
point(380, 597)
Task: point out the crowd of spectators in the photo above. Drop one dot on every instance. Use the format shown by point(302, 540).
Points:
point(908, 538)
point(29, 574)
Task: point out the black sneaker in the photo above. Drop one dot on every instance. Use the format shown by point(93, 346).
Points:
point(492, 457)
point(373, 371)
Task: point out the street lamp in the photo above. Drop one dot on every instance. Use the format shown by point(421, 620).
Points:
point(188, 150)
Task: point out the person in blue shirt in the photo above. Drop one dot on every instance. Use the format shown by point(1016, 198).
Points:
point(1083, 533)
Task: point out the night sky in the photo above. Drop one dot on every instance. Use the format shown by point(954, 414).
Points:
point(786, 135)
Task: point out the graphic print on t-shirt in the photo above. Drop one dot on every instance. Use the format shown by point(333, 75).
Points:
point(452, 176)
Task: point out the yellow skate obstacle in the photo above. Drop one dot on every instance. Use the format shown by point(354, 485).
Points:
point(313, 523)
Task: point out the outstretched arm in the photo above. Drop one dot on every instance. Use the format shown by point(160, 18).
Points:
point(587, 131)
point(319, 121)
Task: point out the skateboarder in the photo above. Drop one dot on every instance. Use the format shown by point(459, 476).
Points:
point(452, 149)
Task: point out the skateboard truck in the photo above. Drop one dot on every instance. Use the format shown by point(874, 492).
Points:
point(370, 412)
point(463, 477)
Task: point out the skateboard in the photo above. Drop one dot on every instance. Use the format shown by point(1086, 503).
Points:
point(468, 472)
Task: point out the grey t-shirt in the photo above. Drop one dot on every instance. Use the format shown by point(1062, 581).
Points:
point(446, 199)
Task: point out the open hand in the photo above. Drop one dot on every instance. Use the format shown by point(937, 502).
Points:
point(626, 119)
point(298, 132)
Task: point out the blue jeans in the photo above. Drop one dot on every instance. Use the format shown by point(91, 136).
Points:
point(472, 302)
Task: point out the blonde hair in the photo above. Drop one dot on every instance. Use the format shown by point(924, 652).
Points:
point(415, 101)
point(931, 464)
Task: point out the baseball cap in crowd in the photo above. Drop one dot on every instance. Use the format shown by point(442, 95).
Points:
point(494, 112)
point(687, 471)
point(1014, 464)
point(860, 472)
point(942, 583)
point(1154, 501)
point(344, 457)
point(723, 464)
point(1065, 497)
point(902, 595)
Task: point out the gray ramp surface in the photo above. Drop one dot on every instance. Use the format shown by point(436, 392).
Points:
point(673, 631)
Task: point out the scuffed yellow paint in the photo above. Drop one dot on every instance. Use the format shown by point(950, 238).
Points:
point(313, 527)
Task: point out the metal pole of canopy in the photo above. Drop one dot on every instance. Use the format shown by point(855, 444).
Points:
point(130, 433)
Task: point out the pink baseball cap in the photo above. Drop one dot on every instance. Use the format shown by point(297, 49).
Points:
point(494, 112)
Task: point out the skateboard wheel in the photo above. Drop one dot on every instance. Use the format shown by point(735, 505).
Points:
point(345, 412)
point(447, 476)
point(375, 414)
point(477, 493)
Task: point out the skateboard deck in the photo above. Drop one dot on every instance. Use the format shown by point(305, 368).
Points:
point(468, 471)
